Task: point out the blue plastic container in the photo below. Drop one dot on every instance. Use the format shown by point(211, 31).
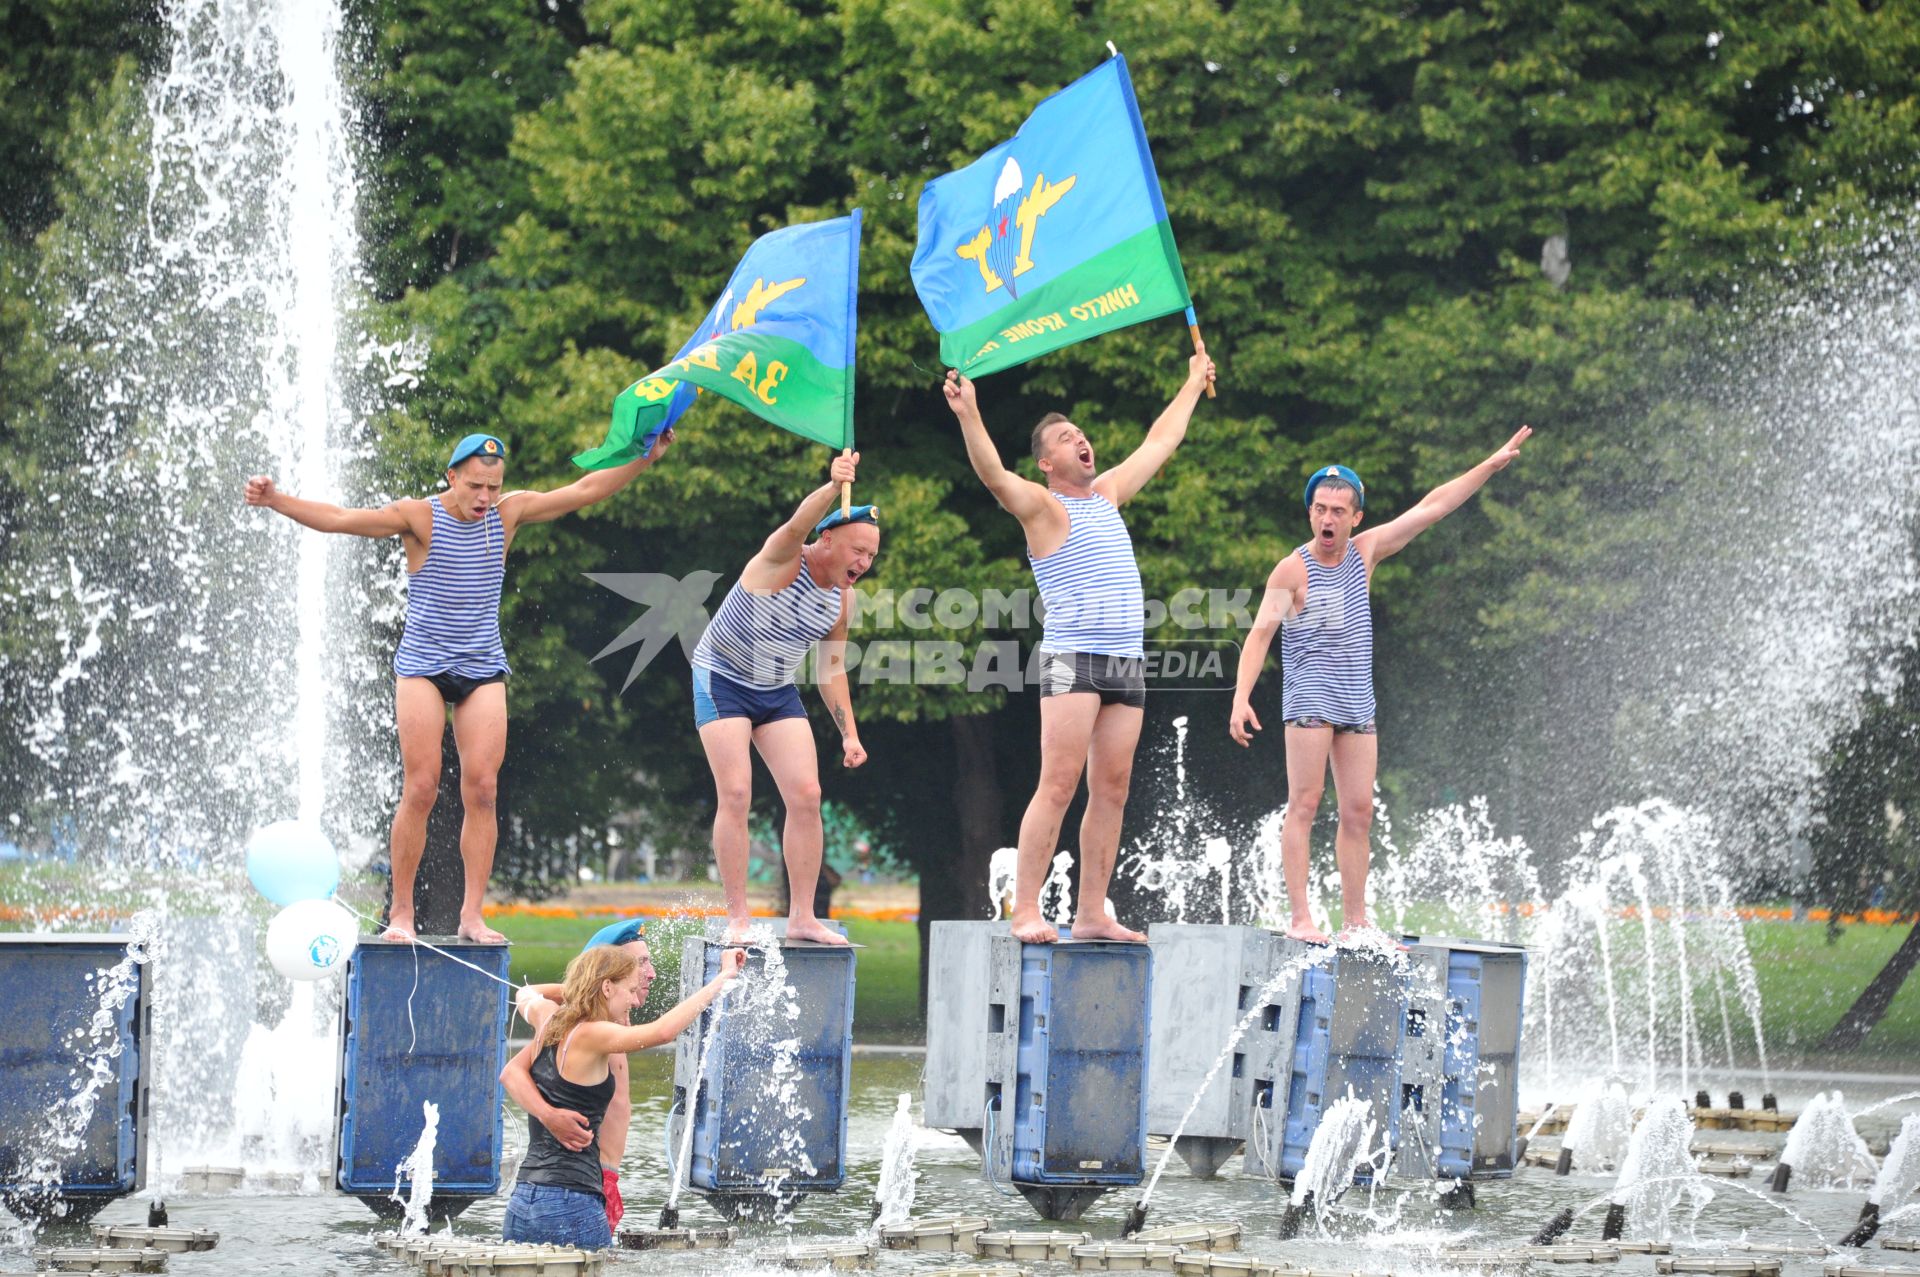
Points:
point(1479, 1109)
point(50, 988)
point(417, 1027)
point(1347, 1042)
point(1080, 1095)
point(749, 1137)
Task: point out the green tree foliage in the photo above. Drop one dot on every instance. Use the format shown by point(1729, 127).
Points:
point(1362, 194)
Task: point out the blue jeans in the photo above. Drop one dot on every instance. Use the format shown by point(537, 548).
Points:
point(560, 1216)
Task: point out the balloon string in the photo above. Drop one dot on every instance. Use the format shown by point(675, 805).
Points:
point(422, 944)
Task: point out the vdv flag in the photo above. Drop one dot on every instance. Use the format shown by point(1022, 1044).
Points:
point(1051, 238)
point(779, 342)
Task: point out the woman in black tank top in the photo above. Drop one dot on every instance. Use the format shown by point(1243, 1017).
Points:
point(558, 1197)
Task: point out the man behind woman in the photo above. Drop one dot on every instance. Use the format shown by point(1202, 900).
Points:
point(567, 1068)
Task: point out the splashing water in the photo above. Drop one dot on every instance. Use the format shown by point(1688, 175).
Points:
point(417, 1170)
point(894, 1195)
point(1342, 1147)
point(1599, 1130)
point(1056, 893)
point(1899, 1176)
point(681, 1168)
point(213, 291)
point(1823, 1148)
point(1658, 1172)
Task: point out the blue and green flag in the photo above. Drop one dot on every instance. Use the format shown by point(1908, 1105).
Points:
point(1051, 238)
point(778, 342)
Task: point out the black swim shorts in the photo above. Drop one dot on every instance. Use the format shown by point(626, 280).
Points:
point(455, 688)
point(1120, 680)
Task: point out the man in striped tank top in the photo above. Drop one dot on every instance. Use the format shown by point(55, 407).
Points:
point(450, 653)
point(1092, 654)
point(1317, 600)
point(789, 597)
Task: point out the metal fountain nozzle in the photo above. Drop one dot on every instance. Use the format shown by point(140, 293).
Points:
point(1136, 1220)
point(669, 1217)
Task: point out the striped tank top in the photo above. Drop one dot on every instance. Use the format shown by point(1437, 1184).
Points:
point(1091, 584)
point(1326, 651)
point(760, 639)
point(453, 601)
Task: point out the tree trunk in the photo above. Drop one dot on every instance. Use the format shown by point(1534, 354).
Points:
point(959, 889)
point(1872, 1004)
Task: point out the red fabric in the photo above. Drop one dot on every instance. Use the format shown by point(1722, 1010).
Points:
point(610, 1188)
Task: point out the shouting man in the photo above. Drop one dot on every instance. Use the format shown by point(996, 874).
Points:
point(789, 597)
point(1092, 652)
point(450, 654)
point(1317, 599)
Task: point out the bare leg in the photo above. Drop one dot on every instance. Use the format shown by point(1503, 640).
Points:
point(1116, 731)
point(1356, 756)
point(480, 734)
point(422, 718)
point(1307, 749)
point(729, 742)
point(787, 747)
point(1066, 729)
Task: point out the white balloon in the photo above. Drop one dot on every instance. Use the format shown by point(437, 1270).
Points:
point(311, 940)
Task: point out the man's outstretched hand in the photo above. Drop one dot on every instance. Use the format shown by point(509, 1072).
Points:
point(960, 396)
point(1512, 449)
point(260, 491)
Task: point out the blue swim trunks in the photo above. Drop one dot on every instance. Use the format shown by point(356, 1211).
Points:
point(715, 696)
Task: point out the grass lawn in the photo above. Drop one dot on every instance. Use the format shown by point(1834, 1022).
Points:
point(887, 972)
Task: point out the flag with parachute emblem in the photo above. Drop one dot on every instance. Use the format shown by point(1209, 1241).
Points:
point(779, 342)
point(1055, 236)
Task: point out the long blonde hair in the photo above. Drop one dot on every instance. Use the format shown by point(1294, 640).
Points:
point(580, 998)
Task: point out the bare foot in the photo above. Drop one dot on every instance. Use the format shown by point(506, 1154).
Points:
point(479, 933)
point(1106, 928)
point(399, 927)
point(1030, 928)
point(739, 931)
point(812, 929)
point(1307, 933)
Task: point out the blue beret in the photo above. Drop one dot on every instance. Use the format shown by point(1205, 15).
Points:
point(1337, 472)
point(859, 514)
point(625, 931)
point(474, 445)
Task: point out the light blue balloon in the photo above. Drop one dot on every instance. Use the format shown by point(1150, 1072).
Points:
point(289, 861)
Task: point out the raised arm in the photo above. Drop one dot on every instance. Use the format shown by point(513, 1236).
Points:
point(608, 1038)
point(391, 520)
point(1391, 538)
point(1024, 499)
point(1284, 583)
point(1119, 484)
point(836, 691)
point(778, 562)
point(528, 506)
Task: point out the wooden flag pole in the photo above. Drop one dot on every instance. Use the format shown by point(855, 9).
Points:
point(846, 489)
point(1198, 348)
